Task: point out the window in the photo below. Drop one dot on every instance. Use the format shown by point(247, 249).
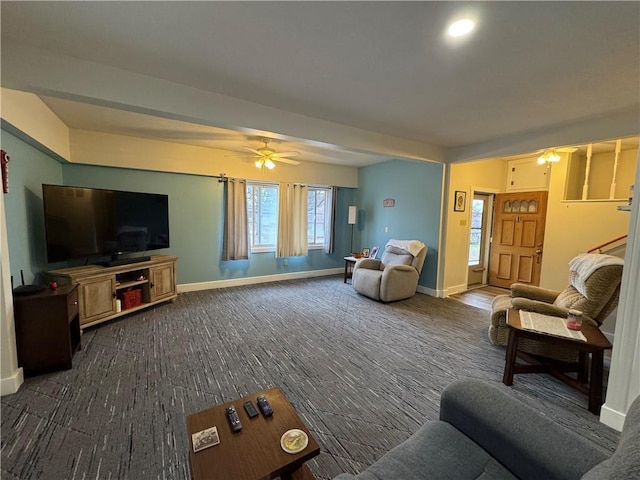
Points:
point(318, 214)
point(477, 215)
point(262, 215)
point(262, 212)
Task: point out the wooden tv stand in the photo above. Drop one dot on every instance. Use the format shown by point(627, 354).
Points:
point(99, 286)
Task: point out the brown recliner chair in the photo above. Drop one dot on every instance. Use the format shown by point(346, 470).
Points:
point(594, 289)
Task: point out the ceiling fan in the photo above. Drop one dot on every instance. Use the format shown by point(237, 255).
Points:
point(266, 156)
point(550, 156)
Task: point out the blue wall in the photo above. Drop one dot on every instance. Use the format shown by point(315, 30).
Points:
point(195, 217)
point(29, 168)
point(416, 188)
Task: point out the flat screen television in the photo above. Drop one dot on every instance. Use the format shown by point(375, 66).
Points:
point(91, 222)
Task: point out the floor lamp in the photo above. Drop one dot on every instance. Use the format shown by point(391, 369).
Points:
point(351, 220)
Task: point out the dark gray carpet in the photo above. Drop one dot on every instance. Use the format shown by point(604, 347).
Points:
point(362, 375)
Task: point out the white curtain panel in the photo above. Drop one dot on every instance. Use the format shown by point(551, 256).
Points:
point(235, 245)
point(292, 221)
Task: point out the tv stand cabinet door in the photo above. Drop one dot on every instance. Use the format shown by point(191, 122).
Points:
point(97, 298)
point(163, 281)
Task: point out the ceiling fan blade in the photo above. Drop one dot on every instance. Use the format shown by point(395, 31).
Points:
point(253, 150)
point(285, 160)
point(285, 154)
point(567, 149)
point(241, 155)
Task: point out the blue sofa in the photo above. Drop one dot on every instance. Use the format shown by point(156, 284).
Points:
point(483, 433)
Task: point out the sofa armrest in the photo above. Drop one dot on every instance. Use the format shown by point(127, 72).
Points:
point(534, 293)
point(538, 307)
point(398, 282)
point(529, 444)
point(546, 309)
point(370, 263)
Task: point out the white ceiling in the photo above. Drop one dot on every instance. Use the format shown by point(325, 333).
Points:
point(384, 67)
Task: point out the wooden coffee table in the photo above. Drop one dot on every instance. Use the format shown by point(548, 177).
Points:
point(589, 382)
point(254, 452)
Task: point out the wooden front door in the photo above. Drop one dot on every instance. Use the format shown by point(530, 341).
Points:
point(518, 238)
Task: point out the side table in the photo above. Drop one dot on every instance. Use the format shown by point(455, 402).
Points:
point(588, 382)
point(47, 329)
point(349, 262)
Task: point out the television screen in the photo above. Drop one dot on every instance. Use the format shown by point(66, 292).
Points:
point(90, 222)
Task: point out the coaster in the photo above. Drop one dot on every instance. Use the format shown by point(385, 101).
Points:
point(294, 441)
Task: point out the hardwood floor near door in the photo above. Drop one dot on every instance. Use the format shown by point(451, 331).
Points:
point(480, 297)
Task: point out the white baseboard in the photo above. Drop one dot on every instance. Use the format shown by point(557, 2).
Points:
point(10, 385)
point(455, 289)
point(430, 291)
point(235, 282)
point(612, 418)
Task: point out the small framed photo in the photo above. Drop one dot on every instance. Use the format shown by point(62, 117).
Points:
point(205, 439)
point(460, 200)
point(374, 252)
point(365, 252)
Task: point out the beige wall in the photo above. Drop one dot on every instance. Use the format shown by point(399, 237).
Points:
point(29, 114)
point(572, 227)
point(483, 176)
point(11, 376)
point(95, 148)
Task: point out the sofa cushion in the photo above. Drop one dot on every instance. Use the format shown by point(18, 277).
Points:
point(436, 451)
point(390, 259)
point(625, 462)
point(367, 282)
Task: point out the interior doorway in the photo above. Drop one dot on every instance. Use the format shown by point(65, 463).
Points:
point(480, 239)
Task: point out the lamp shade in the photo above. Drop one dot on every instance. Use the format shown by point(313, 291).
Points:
point(353, 214)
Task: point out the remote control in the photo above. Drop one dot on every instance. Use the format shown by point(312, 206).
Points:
point(233, 418)
point(250, 408)
point(264, 406)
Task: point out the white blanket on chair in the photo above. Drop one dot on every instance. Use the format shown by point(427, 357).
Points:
point(411, 246)
point(582, 266)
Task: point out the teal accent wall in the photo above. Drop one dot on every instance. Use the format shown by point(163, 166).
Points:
point(195, 218)
point(29, 168)
point(416, 188)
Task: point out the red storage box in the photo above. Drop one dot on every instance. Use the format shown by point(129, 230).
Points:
point(131, 298)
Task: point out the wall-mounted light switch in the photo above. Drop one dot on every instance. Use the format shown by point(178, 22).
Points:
point(386, 229)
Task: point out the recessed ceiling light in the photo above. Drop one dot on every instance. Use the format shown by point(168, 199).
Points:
point(461, 27)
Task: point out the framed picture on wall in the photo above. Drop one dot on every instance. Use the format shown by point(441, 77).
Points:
point(460, 199)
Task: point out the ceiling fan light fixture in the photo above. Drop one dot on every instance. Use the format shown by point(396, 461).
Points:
point(549, 157)
point(269, 164)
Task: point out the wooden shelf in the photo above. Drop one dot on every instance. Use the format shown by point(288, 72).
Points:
point(131, 284)
point(99, 287)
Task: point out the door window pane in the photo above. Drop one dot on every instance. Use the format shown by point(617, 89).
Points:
point(477, 211)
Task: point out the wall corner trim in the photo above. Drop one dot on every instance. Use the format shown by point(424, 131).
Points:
point(612, 418)
point(10, 385)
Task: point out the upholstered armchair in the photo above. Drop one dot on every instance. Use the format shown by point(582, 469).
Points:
point(594, 288)
point(395, 275)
